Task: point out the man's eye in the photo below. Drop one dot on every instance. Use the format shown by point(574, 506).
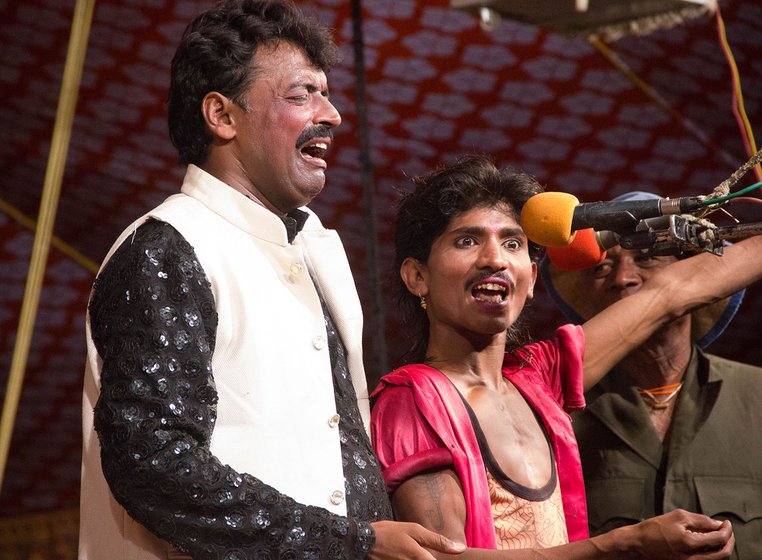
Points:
point(465, 242)
point(512, 244)
point(646, 261)
point(602, 270)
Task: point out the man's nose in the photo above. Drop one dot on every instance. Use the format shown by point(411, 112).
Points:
point(626, 273)
point(492, 256)
point(328, 115)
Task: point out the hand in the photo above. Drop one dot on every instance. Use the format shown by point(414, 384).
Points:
point(395, 540)
point(685, 536)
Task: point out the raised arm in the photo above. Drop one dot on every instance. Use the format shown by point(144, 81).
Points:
point(672, 292)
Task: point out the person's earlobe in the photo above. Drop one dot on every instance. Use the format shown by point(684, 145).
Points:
point(218, 117)
point(533, 282)
point(413, 274)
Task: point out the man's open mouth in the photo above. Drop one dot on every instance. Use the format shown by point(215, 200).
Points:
point(315, 150)
point(490, 292)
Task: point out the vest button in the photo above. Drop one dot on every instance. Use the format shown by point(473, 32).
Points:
point(318, 342)
point(337, 497)
point(296, 268)
point(333, 421)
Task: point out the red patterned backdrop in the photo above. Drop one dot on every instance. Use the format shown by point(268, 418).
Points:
point(438, 87)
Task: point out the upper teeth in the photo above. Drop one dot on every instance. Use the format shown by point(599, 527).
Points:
point(491, 286)
point(321, 145)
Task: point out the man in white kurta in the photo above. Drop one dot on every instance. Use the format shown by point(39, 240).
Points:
point(225, 405)
point(207, 347)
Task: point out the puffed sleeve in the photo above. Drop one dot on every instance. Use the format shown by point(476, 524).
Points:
point(404, 441)
point(557, 365)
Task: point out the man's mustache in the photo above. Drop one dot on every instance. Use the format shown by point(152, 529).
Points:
point(488, 274)
point(317, 131)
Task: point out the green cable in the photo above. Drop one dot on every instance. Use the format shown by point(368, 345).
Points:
point(711, 201)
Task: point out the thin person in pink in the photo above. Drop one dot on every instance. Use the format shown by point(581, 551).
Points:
point(474, 437)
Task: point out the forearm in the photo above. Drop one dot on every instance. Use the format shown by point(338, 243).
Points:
point(224, 511)
point(706, 278)
point(670, 537)
point(591, 549)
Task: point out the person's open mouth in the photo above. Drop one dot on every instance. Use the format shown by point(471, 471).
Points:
point(315, 150)
point(490, 291)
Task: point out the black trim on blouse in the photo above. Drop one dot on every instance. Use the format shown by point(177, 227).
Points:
point(531, 494)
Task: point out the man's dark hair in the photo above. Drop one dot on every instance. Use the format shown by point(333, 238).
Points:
point(424, 214)
point(215, 54)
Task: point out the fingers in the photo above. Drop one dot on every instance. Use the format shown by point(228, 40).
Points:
point(723, 554)
point(701, 523)
point(727, 550)
point(714, 544)
point(437, 542)
point(395, 540)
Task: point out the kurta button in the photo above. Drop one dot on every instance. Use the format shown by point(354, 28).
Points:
point(318, 342)
point(296, 268)
point(337, 497)
point(333, 421)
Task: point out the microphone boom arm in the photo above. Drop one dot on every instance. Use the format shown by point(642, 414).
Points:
point(676, 234)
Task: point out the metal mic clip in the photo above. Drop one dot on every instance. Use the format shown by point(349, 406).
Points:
point(672, 235)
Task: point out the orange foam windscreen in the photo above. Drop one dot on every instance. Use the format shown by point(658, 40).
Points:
point(547, 217)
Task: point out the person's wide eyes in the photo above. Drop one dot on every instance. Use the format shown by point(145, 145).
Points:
point(465, 241)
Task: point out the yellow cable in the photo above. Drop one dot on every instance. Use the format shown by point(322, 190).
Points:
point(657, 98)
point(741, 110)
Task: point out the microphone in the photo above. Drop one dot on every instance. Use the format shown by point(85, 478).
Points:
point(552, 218)
point(651, 235)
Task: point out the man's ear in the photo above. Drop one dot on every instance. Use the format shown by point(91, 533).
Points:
point(217, 111)
point(530, 291)
point(415, 276)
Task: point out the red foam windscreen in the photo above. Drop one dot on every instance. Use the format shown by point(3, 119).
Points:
point(583, 252)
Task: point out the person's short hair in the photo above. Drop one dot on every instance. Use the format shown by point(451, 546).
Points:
point(215, 54)
point(426, 212)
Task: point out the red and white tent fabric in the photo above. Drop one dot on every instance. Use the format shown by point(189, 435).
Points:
point(438, 86)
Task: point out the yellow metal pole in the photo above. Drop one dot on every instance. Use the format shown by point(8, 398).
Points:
point(27, 222)
point(67, 104)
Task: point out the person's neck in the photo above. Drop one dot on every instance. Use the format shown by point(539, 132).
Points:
point(467, 361)
point(660, 361)
point(240, 184)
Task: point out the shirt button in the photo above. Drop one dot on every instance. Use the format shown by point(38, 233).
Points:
point(333, 421)
point(337, 497)
point(296, 268)
point(318, 342)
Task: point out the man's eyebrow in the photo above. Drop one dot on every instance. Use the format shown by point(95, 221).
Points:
point(505, 232)
point(310, 87)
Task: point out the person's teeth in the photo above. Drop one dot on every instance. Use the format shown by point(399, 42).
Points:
point(491, 286)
